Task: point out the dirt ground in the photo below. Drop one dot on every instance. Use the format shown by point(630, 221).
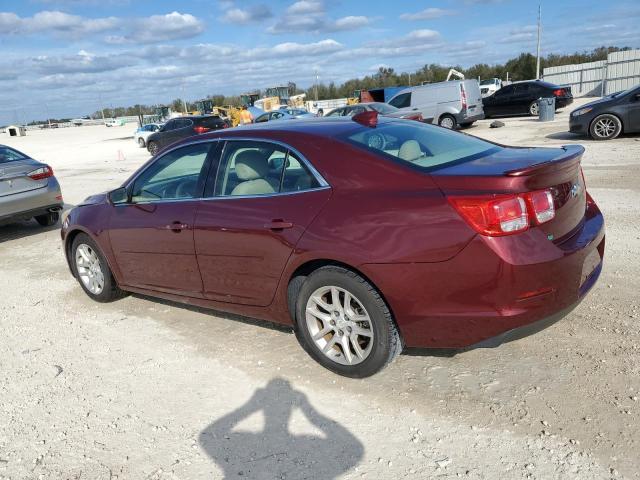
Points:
point(145, 389)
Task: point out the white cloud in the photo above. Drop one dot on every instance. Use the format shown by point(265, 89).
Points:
point(156, 28)
point(310, 16)
point(306, 7)
point(427, 14)
point(254, 13)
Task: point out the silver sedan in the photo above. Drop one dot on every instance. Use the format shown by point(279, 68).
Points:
point(28, 189)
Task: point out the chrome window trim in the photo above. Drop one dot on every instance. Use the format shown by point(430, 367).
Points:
point(323, 184)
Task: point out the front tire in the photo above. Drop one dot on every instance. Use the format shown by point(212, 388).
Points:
point(534, 109)
point(92, 270)
point(344, 324)
point(605, 127)
point(48, 219)
point(448, 122)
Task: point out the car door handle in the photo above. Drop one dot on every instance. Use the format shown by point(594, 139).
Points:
point(278, 224)
point(176, 227)
point(414, 109)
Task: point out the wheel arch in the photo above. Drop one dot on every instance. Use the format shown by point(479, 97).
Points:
point(68, 243)
point(297, 277)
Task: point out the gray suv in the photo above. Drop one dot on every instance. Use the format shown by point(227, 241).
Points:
point(28, 189)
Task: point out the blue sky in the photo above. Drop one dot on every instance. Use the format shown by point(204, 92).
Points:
point(67, 57)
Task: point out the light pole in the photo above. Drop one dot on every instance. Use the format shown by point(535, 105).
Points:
point(538, 50)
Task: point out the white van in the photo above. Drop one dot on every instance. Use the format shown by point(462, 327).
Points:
point(448, 104)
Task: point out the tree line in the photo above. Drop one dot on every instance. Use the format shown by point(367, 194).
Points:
point(522, 67)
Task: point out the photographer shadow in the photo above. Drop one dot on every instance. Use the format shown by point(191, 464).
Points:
point(275, 452)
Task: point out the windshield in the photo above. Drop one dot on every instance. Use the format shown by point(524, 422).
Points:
point(420, 145)
point(10, 155)
point(624, 92)
point(383, 108)
point(487, 82)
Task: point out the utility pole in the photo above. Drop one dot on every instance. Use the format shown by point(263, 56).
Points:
point(538, 50)
point(316, 85)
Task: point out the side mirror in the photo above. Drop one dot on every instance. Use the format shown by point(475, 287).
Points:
point(118, 196)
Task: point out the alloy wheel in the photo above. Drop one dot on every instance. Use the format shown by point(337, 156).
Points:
point(339, 325)
point(534, 109)
point(605, 127)
point(89, 269)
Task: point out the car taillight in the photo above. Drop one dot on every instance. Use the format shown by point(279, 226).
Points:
point(41, 173)
point(200, 129)
point(541, 205)
point(559, 92)
point(496, 216)
point(463, 96)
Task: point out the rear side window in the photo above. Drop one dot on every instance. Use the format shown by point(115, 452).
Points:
point(401, 101)
point(10, 155)
point(419, 145)
point(253, 168)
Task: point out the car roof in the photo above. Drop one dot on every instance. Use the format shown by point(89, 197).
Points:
point(321, 127)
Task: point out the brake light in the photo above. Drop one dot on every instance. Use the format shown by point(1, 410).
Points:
point(41, 173)
point(463, 96)
point(368, 118)
point(200, 129)
point(559, 92)
point(493, 216)
point(541, 205)
point(496, 216)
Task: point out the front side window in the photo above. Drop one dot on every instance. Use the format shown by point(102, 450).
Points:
point(249, 168)
point(420, 145)
point(401, 101)
point(176, 175)
point(335, 113)
point(263, 118)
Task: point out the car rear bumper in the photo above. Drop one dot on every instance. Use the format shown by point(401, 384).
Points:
point(26, 205)
point(466, 118)
point(562, 102)
point(495, 289)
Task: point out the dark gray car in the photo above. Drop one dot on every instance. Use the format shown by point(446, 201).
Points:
point(28, 189)
point(608, 117)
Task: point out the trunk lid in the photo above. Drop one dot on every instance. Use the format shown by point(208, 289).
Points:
point(14, 177)
point(519, 170)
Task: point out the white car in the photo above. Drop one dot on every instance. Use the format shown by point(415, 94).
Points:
point(141, 134)
point(115, 123)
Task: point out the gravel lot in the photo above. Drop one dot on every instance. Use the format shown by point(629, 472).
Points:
point(143, 389)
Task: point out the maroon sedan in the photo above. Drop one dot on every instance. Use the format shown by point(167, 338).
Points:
point(365, 234)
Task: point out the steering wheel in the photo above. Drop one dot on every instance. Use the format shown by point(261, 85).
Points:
point(186, 189)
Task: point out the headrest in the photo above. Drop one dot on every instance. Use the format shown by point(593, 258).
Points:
point(410, 151)
point(251, 164)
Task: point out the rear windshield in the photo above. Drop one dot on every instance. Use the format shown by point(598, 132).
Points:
point(10, 155)
point(423, 146)
point(383, 108)
point(210, 121)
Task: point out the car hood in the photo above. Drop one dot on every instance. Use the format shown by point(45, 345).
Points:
point(595, 102)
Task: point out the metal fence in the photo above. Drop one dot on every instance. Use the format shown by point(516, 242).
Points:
point(620, 71)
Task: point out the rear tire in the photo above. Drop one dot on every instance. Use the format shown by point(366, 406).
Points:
point(48, 219)
point(448, 121)
point(153, 148)
point(605, 127)
point(141, 143)
point(353, 334)
point(92, 271)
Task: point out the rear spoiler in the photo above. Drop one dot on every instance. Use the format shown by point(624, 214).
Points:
point(570, 159)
